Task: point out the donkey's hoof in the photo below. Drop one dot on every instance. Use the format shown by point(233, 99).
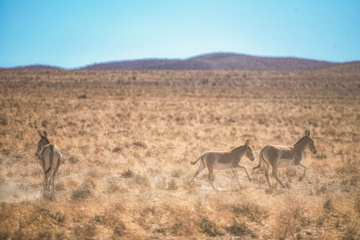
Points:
point(300, 178)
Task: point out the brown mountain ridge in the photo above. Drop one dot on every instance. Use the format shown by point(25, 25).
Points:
point(212, 61)
point(215, 61)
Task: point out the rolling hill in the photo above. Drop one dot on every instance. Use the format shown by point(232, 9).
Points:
point(215, 61)
point(212, 61)
point(37, 67)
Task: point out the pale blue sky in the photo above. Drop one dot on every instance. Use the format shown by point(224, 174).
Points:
point(73, 33)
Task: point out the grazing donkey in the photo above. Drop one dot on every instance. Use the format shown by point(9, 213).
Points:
point(50, 157)
point(224, 160)
point(285, 156)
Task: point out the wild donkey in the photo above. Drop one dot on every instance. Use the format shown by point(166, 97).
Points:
point(285, 156)
point(224, 160)
point(50, 157)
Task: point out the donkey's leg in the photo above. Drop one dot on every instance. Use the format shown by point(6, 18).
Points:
point(266, 168)
point(304, 174)
point(210, 177)
point(53, 181)
point(46, 182)
point(55, 172)
point(238, 166)
point(274, 174)
point(51, 184)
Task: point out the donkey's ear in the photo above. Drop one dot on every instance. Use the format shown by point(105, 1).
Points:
point(45, 133)
point(40, 133)
point(306, 132)
point(309, 133)
point(247, 142)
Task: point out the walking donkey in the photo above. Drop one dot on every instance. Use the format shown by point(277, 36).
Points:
point(50, 157)
point(224, 160)
point(285, 156)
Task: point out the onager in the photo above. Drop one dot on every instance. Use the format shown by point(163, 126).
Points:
point(285, 156)
point(50, 157)
point(223, 161)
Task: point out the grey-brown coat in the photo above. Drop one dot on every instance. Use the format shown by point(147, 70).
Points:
point(50, 158)
point(224, 160)
point(285, 156)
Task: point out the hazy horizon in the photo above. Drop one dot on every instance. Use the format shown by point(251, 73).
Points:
point(157, 58)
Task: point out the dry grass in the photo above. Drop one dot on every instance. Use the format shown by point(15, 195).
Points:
point(128, 138)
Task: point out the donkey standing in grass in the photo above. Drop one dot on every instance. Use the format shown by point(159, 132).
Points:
point(285, 156)
point(50, 157)
point(224, 160)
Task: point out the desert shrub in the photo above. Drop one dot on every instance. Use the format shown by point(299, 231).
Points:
point(59, 187)
point(321, 156)
point(323, 189)
point(73, 160)
point(179, 228)
point(127, 174)
point(239, 229)
point(252, 211)
point(5, 152)
point(139, 144)
point(262, 120)
point(116, 149)
point(328, 205)
point(351, 231)
point(119, 230)
point(3, 120)
point(208, 227)
point(80, 194)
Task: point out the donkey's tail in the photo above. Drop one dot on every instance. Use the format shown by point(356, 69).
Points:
point(261, 157)
point(193, 163)
point(51, 157)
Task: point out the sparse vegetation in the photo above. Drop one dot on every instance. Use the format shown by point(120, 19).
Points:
point(127, 138)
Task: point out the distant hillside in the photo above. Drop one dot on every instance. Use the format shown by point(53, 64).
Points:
point(38, 67)
point(349, 67)
point(215, 61)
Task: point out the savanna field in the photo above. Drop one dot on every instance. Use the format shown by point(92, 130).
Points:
point(127, 139)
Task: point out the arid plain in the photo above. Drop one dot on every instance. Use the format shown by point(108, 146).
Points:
point(127, 139)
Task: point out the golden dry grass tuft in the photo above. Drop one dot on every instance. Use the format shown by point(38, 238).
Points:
point(128, 137)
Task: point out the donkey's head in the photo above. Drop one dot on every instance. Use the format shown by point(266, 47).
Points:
point(311, 142)
point(248, 151)
point(42, 143)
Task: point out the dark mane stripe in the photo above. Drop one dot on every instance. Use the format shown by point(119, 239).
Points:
point(235, 149)
point(301, 139)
